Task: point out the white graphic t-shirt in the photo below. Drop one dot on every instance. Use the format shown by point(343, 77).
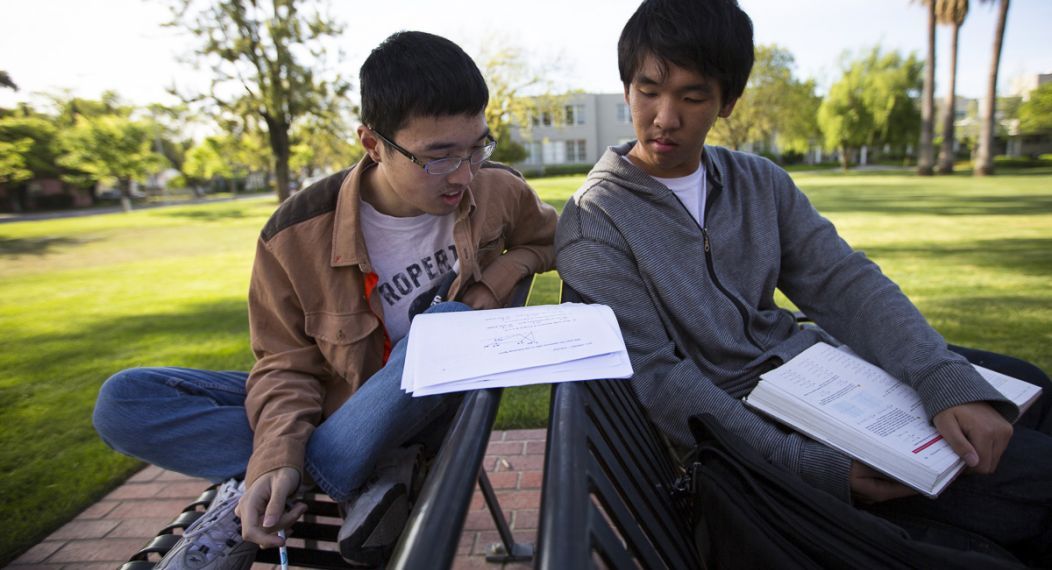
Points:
point(409, 256)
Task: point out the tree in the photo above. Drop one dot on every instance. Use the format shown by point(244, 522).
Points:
point(775, 106)
point(228, 156)
point(845, 121)
point(171, 123)
point(39, 157)
point(6, 81)
point(324, 143)
point(12, 161)
point(27, 151)
point(926, 149)
point(984, 161)
point(1035, 114)
point(951, 13)
point(110, 148)
point(517, 93)
point(273, 54)
point(69, 108)
point(208, 160)
point(872, 104)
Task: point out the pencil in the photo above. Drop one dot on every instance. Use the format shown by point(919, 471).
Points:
point(283, 552)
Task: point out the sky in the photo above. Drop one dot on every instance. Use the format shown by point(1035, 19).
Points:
point(87, 47)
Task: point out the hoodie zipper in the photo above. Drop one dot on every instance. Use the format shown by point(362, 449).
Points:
point(712, 269)
point(712, 272)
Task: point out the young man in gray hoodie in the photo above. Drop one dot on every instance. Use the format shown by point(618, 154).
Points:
point(688, 243)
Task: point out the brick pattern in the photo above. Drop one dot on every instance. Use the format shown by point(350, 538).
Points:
point(105, 534)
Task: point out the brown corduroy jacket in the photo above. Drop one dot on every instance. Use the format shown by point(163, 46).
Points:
point(317, 331)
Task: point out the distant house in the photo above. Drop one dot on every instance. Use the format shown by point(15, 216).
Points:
point(1008, 140)
point(43, 194)
point(1028, 144)
point(576, 133)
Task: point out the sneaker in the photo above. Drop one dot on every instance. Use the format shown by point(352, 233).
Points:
point(374, 518)
point(213, 542)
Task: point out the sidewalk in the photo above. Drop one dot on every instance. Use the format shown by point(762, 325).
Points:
point(105, 534)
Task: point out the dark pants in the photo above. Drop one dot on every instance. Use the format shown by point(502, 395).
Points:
point(1010, 509)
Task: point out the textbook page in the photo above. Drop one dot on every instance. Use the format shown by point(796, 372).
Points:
point(836, 397)
point(867, 400)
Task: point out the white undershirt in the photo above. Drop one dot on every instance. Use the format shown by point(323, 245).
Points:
point(410, 256)
point(690, 190)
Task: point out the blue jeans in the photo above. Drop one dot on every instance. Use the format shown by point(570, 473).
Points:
point(1010, 509)
point(194, 422)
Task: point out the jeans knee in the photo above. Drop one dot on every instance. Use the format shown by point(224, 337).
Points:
point(112, 411)
point(448, 307)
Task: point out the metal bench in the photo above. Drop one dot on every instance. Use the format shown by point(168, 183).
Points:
point(432, 534)
point(607, 498)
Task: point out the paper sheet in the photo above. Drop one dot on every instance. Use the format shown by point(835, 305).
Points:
point(513, 347)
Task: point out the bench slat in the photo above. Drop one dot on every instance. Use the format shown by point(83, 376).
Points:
point(608, 476)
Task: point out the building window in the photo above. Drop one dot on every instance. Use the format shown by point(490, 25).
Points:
point(624, 116)
point(543, 118)
point(533, 150)
point(554, 152)
point(575, 114)
point(575, 151)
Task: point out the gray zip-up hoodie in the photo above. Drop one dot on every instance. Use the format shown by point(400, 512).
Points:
point(696, 304)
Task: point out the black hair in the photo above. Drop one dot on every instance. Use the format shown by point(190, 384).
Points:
point(710, 37)
point(416, 74)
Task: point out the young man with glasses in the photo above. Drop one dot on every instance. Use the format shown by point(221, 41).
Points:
point(340, 270)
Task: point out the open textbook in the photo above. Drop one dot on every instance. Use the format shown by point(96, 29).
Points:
point(839, 399)
point(453, 352)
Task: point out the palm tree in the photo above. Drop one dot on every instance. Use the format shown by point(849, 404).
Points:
point(926, 152)
point(951, 12)
point(984, 161)
point(5, 81)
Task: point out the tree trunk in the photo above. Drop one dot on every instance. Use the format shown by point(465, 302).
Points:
point(845, 158)
point(984, 163)
point(125, 186)
point(278, 133)
point(926, 150)
point(946, 155)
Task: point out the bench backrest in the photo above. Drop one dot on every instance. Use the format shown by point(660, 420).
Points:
point(608, 477)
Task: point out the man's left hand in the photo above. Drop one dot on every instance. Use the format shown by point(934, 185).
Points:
point(478, 296)
point(976, 432)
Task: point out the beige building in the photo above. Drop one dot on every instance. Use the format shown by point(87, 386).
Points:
point(576, 133)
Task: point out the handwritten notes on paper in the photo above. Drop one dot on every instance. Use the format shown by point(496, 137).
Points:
point(452, 352)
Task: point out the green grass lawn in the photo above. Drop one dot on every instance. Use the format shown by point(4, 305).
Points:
point(85, 297)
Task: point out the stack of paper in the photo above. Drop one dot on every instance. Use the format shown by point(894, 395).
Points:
point(452, 352)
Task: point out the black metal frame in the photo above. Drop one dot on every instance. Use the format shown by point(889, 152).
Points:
point(433, 531)
point(608, 480)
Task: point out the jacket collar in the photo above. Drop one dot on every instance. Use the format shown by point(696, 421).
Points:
point(611, 160)
point(713, 166)
point(348, 242)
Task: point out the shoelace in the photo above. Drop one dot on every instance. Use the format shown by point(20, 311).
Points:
point(206, 535)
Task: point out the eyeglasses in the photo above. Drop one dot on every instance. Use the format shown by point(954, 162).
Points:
point(448, 164)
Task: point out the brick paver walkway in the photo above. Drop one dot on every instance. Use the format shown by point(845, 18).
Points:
point(105, 534)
